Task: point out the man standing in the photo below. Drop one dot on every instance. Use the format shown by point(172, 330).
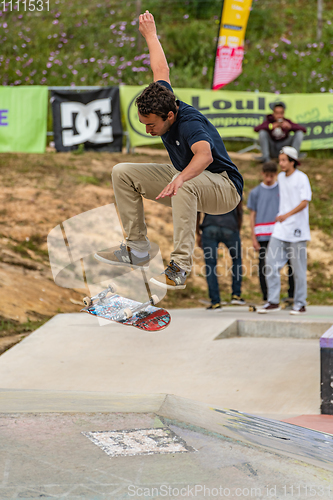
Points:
point(201, 177)
point(222, 229)
point(274, 133)
point(290, 234)
point(263, 203)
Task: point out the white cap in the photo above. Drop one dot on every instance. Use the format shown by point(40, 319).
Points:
point(291, 152)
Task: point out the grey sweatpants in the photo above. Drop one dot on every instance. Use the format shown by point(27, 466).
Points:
point(208, 192)
point(271, 149)
point(278, 253)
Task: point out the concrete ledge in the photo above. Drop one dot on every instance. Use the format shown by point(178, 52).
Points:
point(295, 442)
point(35, 401)
point(310, 446)
point(274, 329)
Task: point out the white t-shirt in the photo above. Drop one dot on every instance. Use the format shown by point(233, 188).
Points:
point(293, 190)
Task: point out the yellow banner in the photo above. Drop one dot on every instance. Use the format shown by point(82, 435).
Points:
point(235, 114)
point(230, 47)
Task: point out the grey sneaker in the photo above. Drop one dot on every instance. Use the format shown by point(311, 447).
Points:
point(268, 308)
point(122, 256)
point(172, 278)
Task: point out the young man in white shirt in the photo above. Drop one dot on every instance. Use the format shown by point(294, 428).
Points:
point(290, 234)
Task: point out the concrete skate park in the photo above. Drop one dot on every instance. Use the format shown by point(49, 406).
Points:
point(222, 403)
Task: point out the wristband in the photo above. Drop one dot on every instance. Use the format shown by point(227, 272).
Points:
point(270, 126)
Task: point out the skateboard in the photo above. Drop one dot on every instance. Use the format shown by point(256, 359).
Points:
point(287, 304)
point(109, 305)
point(252, 307)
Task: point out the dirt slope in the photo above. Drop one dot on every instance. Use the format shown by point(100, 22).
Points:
point(41, 191)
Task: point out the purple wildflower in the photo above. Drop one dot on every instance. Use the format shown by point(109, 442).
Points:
point(285, 40)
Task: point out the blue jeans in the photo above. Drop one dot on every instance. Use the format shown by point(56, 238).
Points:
point(211, 237)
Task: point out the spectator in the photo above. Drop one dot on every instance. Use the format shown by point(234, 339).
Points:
point(274, 133)
point(222, 229)
point(290, 233)
point(263, 203)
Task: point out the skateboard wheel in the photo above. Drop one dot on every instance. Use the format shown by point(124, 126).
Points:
point(113, 287)
point(127, 313)
point(87, 301)
point(154, 299)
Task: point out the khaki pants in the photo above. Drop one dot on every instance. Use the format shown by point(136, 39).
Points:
point(208, 192)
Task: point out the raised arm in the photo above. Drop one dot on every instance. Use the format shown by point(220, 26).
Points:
point(158, 62)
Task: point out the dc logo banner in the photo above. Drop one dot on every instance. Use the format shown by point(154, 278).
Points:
point(89, 118)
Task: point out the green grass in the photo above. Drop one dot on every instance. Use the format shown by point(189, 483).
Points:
point(33, 244)
point(88, 179)
point(321, 210)
point(320, 287)
point(11, 328)
point(92, 43)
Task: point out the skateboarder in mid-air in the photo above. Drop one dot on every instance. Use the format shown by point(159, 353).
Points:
point(201, 178)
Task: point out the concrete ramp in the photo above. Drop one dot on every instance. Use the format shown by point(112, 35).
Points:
point(81, 445)
point(91, 412)
point(266, 376)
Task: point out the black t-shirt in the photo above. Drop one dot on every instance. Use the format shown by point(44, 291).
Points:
point(190, 127)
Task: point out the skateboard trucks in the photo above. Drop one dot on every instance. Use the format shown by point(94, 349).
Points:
point(100, 297)
point(128, 313)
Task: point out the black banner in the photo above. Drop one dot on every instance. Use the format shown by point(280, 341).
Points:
point(90, 118)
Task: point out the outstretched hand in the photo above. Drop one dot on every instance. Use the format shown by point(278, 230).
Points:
point(147, 24)
point(172, 188)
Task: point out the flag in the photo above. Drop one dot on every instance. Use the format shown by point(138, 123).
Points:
point(230, 45)
point(90, 118)
point(23, 119)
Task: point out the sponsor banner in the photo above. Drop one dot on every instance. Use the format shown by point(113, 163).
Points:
point(89, 118)
point(23, 119)
point(230, 45)
point(235, 114)
point(136, 130)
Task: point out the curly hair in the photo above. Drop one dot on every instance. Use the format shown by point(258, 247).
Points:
point(156, 99)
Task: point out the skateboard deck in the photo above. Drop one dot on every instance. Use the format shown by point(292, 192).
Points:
point(287, 304)
point(251, 307)
point(115, 307)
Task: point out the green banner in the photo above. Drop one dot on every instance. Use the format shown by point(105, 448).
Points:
point(23, 119)
point(234, 114)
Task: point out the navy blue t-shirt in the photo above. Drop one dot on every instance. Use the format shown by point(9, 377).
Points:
point(190, 127)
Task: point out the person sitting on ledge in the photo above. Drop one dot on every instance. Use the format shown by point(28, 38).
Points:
point(274, 133)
